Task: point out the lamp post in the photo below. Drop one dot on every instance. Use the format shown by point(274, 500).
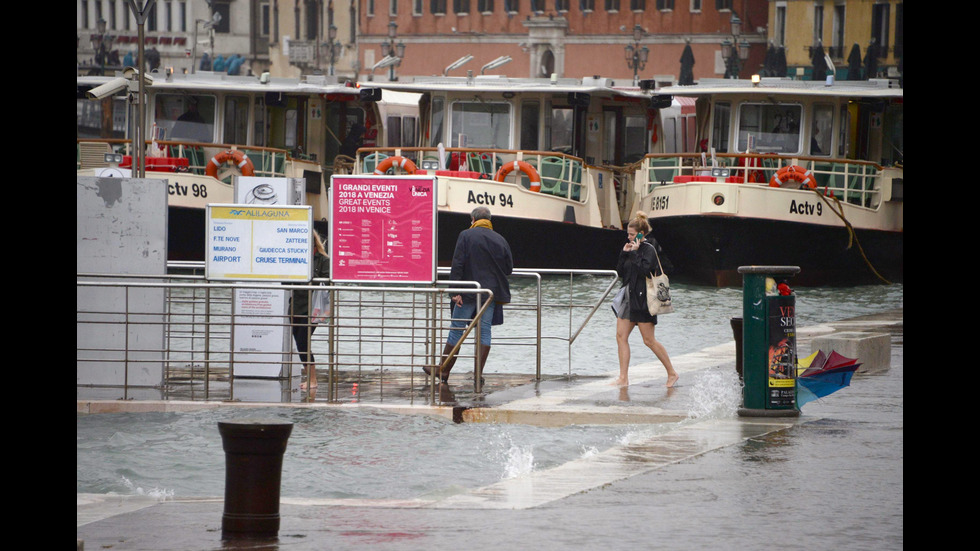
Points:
point(636, 56)
point(389, 48)
point(735, 51)
point(335, 47)
point(102, 43)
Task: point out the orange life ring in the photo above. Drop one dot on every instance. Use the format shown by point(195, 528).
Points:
point(532, 174)
point(793, 172)
point(405, 164)
point(240, 159)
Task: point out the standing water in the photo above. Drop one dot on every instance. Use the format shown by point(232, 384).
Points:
point(836, 478)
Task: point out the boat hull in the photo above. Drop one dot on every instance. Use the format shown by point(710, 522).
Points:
point(709, 249)
point(533, 243)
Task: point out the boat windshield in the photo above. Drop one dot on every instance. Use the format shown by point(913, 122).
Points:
point(775, 128)
point(483, 125)
point(186, 117)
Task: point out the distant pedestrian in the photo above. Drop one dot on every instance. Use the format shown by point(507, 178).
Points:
point(299, 306)
point(484, 256)
point(636, 262)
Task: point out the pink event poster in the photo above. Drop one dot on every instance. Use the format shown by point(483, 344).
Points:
point(383, 229)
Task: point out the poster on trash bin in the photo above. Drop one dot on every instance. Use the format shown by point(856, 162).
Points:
point(782, 352)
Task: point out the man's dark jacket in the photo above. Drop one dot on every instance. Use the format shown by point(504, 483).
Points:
point(483, 255)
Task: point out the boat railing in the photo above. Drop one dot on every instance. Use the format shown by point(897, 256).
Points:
point(268, 161)
point(374, 333)
point(851, 181)
point(561, 175)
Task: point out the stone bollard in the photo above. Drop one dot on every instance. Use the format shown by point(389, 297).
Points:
point(253, 473)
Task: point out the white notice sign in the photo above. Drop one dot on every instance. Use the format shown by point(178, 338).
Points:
point(254, 242)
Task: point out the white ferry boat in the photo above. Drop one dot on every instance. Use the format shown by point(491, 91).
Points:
point(205, 128)
point(793, 173)
point(551, 158)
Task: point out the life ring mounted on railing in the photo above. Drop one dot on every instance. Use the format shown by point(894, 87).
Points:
point(795, 173)
point(532, 175)
point(405, 164)
point(240, 160)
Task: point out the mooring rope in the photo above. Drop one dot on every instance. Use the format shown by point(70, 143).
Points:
point(852, 235)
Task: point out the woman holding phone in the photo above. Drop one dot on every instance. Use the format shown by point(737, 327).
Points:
point(636, 261)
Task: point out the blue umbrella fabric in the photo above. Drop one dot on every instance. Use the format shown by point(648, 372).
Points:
point(823, 376)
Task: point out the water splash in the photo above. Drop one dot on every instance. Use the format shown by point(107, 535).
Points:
point(717, 393)
point(156, 493)
point(519, 461)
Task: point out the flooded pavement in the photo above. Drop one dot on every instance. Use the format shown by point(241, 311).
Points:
point(684, 478)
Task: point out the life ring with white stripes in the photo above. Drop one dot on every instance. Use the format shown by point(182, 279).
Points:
point(240, 159)
point(405, 164)
point(796, 173)
point(524, 167)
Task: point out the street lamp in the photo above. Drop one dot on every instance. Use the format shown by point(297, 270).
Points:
point(103, 44)
point(334, 46)
point(389, 48)
point(636, 56)
point(736, 51)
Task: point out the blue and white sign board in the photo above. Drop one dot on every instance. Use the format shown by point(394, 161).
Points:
point(266, 243)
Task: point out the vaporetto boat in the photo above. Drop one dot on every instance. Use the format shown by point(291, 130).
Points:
point(551, 158)
point(792, 173)
point(205, 128)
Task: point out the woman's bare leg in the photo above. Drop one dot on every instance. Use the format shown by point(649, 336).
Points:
point(647, 331)
point(623, 330)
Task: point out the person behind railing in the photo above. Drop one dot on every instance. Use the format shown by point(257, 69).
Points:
point(484, 256)
point(299, 305)
point(636, 261)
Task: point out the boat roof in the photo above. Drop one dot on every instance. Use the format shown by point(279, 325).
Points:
point(874, 88)
point(501, 84)
point(212, 82)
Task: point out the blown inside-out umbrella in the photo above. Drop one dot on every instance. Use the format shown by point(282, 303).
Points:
point(819, 375)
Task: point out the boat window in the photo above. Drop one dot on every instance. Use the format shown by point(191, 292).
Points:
point(394, 130)
point(91, 119)
point(775, 127)
point(438, 119)
point(480, 125)
point(609, 137)
point(409, 131)
point(562, 129)
point(530, 124)
point(258, 123)
point(236, 120)
point(186, 117)
point(893, 147)
point(636, 138)
point(843, 141)
point(720, 126)
point(821, 129)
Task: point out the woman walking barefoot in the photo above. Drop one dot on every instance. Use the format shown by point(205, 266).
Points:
point(636, 261)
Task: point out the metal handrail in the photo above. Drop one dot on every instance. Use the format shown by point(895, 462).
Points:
point(199, 312)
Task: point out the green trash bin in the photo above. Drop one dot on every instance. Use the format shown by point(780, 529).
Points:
point(768, 342)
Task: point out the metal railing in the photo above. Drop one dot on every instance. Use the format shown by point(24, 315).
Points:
point(186, 327)
point(855, 182)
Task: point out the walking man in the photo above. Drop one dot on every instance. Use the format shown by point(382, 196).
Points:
point(481, 255)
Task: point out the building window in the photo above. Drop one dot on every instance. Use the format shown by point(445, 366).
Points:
point(587, 6)
point(461, 7)
point(537, 6)
point(695, 6)
point(265, 18)
point(416, 7)
point(182, 16)
point(370, 8)
point(838, 41)
point(723, 5)
point(561, 6)
point(393, 7)
point(879, 27)
point(485, 6)
point(817, 24)
point(779, 34)
point(638, 5)
point(612, 6)
point(438, 7)
point(665, 5)
point(224, 8)
point(512, 6)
